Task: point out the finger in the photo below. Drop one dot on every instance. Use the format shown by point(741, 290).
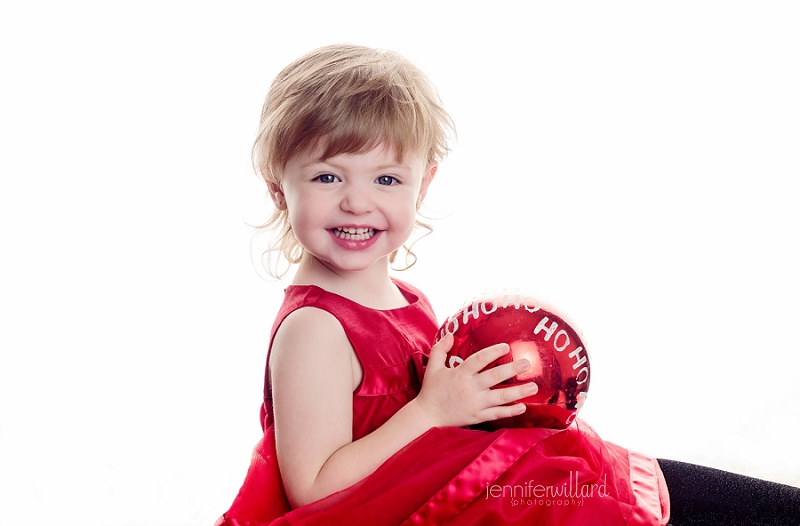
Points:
point(438, 355)
point(501, 373)
point(478, 361)
point(504, 411)
point(506, 395)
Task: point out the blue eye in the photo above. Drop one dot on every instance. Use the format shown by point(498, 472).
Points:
point(386, 180)
point(326, 178)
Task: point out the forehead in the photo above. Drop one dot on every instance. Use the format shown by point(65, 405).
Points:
point(381, 156)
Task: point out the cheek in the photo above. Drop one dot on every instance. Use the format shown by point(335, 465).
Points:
point(406, 217)
point(302, 218)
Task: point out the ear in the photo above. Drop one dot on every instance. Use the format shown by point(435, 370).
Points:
point(427, 178)
point(276, 194)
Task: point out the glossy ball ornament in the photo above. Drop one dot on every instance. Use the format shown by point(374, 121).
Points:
point(536, 331)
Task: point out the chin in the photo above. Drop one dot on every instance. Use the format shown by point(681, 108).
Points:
point(355, 264)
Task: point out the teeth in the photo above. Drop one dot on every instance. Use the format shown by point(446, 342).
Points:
point(351, 233)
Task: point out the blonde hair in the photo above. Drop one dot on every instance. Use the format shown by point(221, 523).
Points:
point(345, 99)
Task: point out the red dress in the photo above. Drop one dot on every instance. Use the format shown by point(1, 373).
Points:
point(449, 475)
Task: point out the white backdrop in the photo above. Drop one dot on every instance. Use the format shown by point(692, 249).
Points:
point(635, 162)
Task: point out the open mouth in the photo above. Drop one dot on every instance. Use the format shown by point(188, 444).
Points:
point(354, 234)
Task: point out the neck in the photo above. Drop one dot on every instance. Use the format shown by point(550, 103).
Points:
point(371, 287)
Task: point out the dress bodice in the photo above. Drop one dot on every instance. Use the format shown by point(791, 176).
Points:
point(389, 345)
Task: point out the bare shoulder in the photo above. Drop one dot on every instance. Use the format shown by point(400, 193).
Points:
point(308, 325)
point(311, 344)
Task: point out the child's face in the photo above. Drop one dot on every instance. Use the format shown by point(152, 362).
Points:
point(353, 210)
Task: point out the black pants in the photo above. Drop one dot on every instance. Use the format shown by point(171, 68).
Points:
point(700, 495)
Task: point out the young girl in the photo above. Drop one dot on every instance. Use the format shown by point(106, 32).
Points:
point(349, 144)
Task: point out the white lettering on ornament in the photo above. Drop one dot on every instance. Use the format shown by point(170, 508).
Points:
point(455, 361)
point(471, 309)
point(548, 330)
point(565, 339)
point(560, 337)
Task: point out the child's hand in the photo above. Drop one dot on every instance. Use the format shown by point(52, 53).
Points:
point(462, 396)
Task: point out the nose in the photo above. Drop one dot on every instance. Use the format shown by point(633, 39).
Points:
point(357, 199)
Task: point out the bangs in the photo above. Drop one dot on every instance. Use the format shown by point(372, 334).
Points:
point(360, 122)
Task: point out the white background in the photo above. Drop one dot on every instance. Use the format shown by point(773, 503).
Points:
point(635, 162)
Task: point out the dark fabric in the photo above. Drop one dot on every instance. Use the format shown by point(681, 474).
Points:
point(701, 495)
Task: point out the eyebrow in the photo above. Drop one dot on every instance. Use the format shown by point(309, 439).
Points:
point(393, 165)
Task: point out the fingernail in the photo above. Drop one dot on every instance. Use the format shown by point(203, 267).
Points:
point(525, 365)
point(532, 388)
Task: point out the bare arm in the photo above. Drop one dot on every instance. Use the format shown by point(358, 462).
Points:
point(312, 384)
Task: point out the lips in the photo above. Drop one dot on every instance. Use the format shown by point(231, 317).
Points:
point(355, 237)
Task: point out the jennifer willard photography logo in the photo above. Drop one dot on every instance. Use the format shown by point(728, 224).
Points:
point(570, 493)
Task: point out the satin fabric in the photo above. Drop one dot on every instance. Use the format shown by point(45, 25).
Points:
point(449, 475)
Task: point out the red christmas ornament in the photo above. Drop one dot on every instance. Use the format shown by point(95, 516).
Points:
point(537, 332)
